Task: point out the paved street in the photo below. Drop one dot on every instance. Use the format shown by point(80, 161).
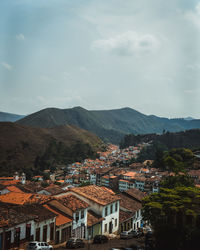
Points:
point(111, 243)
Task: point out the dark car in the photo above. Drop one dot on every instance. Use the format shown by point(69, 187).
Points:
point(100, 239)
point(136, 247)
point(75, 243)
point(129, 234)
point(121, 248)
point(149, 241)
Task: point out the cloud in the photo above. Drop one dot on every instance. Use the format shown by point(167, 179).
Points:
point(194, 66)
point(128, 43)
point(20, 37)
point(6, 66)
point(194, 16)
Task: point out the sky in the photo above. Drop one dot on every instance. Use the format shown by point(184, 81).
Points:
point(100, 54)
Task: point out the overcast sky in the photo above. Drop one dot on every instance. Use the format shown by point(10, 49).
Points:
point(100, 54)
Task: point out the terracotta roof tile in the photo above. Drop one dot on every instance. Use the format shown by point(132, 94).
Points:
point(129, 203)
point(14, 189)
point(93, 218)
point(135, 193)
point(124, 215)
point(73, 203)
point(23, 198)
point(60, 218)
point(100, 195)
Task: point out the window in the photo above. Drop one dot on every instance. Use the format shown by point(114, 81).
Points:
point(82, 214)
point(106, 211)
point(105, 228)
point(77, 216)
point(116, 206)
point(111, 209)
point(115, 222)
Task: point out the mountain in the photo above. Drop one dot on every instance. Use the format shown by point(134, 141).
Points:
point(8, 117)
point(109, 125)
point(21, 145)
point(189, 118)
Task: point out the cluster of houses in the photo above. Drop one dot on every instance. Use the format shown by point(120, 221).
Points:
point(106, 171)
point(56, 214)
point(94, 197)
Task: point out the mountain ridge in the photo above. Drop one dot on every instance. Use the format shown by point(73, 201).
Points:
point(109, 125)
point(9, 117)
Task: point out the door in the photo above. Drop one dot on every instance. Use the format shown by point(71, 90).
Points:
point(1, 241)
point(57, 236)
point(17, 237)
point(44, 233)
point(28, 232)
point(52, 231)
point(110, 227)
point(7, 240)
point(37, 233)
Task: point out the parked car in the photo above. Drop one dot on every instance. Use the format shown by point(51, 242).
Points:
point(136, 247)
point(100, 239)
point(75, 243)
point(129, 234)
point(36, 245)
point(121, 248)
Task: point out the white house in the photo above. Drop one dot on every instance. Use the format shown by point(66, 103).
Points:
point(103, 202)
point(77, 209)
point(25, 223)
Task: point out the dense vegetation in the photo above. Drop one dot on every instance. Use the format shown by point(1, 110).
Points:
point(174, 214)
point(188, 139)
point(59, 154)
point(109, 125)
point(159, 143)
point(32, 150)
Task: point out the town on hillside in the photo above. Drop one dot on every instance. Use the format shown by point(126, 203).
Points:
point(82, 200)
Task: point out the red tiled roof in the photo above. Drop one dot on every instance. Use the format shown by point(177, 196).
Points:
point(14, 189)
point(23, 198)
point(72, 202)
point(129, 204)
point(100, 195)
point(124, 215)
point(93, 218)
point(135, 193)
point(60, 218)
point(9, 183)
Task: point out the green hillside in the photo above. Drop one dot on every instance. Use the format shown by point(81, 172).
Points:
point(22, 146)
point(109, 125)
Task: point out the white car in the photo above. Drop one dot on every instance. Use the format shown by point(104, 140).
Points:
point(36, 245)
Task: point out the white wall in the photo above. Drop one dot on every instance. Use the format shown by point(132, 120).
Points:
point(111, 217)
point(40, 225)
point(22, 227)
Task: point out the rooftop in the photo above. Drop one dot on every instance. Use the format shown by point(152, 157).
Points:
point(93, 218)
point(61, 219)
point(73, 203)
point(23, 198)
point(129, 204)
point(100, 195)
point(135, 193)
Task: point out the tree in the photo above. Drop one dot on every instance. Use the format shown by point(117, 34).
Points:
point(181, 180)
point(175, 217)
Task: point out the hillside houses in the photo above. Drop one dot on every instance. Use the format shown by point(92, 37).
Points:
point(81, 212)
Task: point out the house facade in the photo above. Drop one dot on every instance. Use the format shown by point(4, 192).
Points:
point(103, 202)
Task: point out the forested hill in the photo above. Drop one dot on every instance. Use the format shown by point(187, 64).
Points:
point(8, 117)
point(187, 139)
point(109, 125)
point(33, 149)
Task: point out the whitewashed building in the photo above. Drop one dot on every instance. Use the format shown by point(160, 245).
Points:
point(103, 202)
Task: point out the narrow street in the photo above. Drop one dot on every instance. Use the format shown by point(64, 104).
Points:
point(110, 244)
